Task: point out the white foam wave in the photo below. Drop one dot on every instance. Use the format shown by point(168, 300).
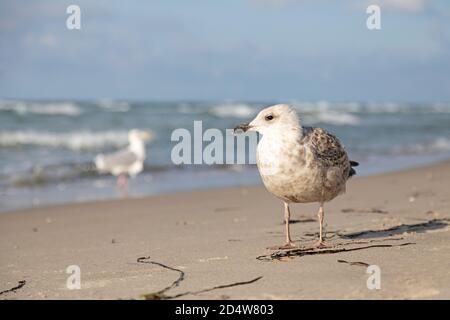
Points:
point(391, 108)
point(332, 117)
point(311, 113)
point(372, 107)
point(441, 144)
point(52, 108)
point(386, 107)
point(324, 106)
point(233, 110)
point(441, 107)
point(81, 140)
point(335, 113)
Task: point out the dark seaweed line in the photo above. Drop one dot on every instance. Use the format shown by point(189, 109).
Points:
point(234, 284)
point(174, 284)
point(299, 252)
point(160, 295)
point(19, 285)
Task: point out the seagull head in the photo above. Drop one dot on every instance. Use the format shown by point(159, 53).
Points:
point(139, 135)
point(274, 118)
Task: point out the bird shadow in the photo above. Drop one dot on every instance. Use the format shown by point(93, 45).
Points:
point(361, 240)
point(397, 230)
point(301, 220)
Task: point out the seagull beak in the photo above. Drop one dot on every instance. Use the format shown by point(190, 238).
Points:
point(147, 135)
point(242, 127)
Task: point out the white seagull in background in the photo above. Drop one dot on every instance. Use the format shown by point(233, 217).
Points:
point(125, 162)
point(298, 164)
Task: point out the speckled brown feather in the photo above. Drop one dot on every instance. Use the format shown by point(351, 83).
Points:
point(326, 148)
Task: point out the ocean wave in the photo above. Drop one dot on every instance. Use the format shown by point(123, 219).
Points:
point(189, 108)
point(80, 140)
point(39, 175)
point(242, 109)
point(441, 107)
point(311, 113)
point(233, 110)
point(372, 107)
point(42, 175)
point(51, 108)
point(332, 117)
point(334, 113)
point(113, 106)
point(402, 108)
point(441, 144)
point(325, 106)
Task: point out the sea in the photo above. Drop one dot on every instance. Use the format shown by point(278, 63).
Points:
point(47, 147)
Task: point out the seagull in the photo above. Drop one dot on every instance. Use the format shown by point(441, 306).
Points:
point(125, 162)
point(298, 164)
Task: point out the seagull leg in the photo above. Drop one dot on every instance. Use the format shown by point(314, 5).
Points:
point(122, 184)
point(287, 218)
point(320, 214)
point(288, 244)
point(120, 181)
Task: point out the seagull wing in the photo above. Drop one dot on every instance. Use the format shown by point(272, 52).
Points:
point(326, 148)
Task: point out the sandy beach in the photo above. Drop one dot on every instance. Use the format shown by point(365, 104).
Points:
point(195, 241)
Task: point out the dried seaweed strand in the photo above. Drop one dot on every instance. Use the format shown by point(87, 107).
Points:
point(19, 285)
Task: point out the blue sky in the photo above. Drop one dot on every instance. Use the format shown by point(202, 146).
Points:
point(240, 50)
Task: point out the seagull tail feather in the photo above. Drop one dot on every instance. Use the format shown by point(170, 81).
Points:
point(352, 171)
point(354, 163)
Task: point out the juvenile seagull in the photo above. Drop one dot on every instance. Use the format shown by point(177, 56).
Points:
point(125, 162)
point(298, 164)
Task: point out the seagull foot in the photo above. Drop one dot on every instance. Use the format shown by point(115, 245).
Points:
point(286, 246)
point(321, 245)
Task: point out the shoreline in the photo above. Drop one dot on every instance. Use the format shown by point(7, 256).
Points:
point(398, 221)
point(248, 178)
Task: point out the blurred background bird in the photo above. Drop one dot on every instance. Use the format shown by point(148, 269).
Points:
point(126, 162)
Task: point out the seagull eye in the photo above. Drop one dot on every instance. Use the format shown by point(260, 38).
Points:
point(269, 117)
